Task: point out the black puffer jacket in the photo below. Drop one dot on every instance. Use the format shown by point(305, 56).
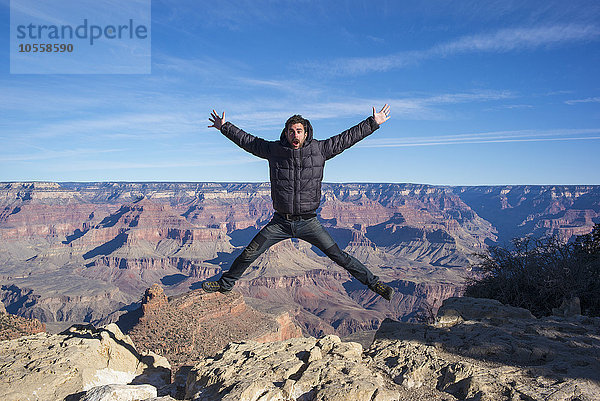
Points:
point(296, 174)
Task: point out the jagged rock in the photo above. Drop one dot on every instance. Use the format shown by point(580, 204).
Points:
point(52, 367)
point(2, 308)
point(296, 369)
point(154, 299)
point(478, 349)
point(481, 349)
point(120, 392)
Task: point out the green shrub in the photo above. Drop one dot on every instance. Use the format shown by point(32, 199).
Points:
point(538, 274)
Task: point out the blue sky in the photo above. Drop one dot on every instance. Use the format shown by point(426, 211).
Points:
point(481, 93)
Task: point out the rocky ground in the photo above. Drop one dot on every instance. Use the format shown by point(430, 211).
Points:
point(477, 349)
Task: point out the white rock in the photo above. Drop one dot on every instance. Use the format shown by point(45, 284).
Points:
point(108, 376)
point(120, 392)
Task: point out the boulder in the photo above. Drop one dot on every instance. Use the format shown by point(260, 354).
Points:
point(569, 307)
point(52, 367)
point(458, 309)
point(120, 392)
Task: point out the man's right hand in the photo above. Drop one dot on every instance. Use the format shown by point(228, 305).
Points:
point(216, 120)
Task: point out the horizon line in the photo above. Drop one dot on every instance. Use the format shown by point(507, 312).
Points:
point(267, 182)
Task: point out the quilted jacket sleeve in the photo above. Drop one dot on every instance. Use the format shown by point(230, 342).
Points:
point(337, 144)
point(250, 143)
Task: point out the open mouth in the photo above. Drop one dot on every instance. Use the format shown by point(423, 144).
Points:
point(296, 142)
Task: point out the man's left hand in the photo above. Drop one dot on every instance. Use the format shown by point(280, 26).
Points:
point(383, 115)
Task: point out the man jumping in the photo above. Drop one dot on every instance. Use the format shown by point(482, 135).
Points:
point(296, 164)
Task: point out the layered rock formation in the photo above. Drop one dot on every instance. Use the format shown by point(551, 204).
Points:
point(150, 240)
point(66, 297)
point(520, 210)
point(85, 252)
point(187, 327)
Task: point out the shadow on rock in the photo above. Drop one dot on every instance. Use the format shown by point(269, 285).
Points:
point(481, 348)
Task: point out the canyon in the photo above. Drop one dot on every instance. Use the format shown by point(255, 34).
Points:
point(87, 252)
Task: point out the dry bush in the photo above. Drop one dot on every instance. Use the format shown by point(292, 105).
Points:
point(538, 274)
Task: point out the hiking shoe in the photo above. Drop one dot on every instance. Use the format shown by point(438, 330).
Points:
point(382, 289)
point(213, 286)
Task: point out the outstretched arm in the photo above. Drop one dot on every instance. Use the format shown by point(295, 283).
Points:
point(250, 143)
point(337, 144)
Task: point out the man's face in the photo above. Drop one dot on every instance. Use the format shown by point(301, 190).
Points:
point(296, 135)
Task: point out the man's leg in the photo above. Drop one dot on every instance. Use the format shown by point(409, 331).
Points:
point(270, 234)
point(312, 231)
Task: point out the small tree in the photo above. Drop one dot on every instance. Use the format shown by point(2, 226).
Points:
point(538, 274)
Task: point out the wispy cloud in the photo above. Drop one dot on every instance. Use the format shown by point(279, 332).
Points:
point(586, 100)
point(239, 15)
point(53, 154)
point(486, 137)
point(519, 39)
point(510, 107)
point(465, 97)
point(274, 113)
point(501, 41)
point(115, 126)
point(289, 87)
point(127, 165)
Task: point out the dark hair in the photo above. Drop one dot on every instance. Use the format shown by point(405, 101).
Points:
point(295, 119)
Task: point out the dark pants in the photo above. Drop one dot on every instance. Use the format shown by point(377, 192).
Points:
point(309, 230)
